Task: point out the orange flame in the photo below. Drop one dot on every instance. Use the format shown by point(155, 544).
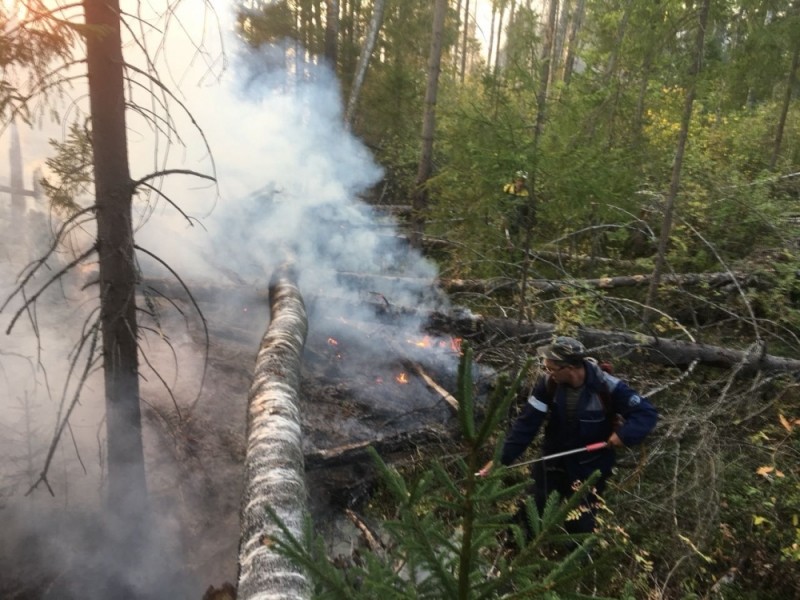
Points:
point(402, 378)
point(423, 343)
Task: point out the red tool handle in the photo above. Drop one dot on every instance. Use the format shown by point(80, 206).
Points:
point(596, 446)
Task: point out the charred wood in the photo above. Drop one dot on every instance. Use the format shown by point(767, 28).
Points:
point(386, 446)
point(274, 469)
point(431, 383)
point(345, 476)
point(632, 346)
point(636, 347)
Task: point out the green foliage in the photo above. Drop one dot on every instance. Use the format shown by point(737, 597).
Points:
point(32, 42)
point(73, 169)
point(448, 536)
point(270, 23)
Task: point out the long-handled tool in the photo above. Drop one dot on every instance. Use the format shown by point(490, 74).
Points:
point(589, 448)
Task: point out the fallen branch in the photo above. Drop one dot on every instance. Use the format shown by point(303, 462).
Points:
point(370, 539)
point(446, 396)
point(351, 454)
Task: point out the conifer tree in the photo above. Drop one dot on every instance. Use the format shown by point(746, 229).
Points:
point(449, 536)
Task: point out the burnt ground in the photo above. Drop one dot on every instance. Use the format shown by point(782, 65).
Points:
point(356, 388)
point(359, 386)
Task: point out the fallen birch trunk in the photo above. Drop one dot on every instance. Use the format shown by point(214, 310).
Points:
point(274, 467)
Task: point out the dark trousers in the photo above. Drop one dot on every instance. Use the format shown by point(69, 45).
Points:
point(553, 476)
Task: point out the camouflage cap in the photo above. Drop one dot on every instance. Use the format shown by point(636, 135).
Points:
point(562, 349)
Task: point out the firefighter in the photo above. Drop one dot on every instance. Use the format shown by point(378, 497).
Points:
point(520, 212)
point(518, 187)
point(581, 404)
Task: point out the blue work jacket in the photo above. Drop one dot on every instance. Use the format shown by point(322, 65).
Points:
point(603, 397)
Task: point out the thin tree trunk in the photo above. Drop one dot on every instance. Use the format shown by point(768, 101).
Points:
point(491, 39)
point(666, 227)
point(499, 38)
point(332, 33)
point(420, 201)
point(363, 60)
point(16, 233)
point(274, 466)
point(787, 99)
point(457, 46)
point(622, 27)
point(541, 113)
point(572, 42)
point(463, 70)
point(560, 42)
point(113, 190)
point(638, 121)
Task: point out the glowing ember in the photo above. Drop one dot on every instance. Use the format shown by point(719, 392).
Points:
point(453, 344)
point(423, 343)
point(402, 378)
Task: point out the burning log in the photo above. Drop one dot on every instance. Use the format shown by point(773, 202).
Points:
point(637, 347)
point(633, 346)
point(274, 469)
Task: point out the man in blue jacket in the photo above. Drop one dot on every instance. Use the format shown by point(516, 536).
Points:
point(581, 405)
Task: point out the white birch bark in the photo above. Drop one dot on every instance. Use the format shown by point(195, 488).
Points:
point(363, 61)
point(274, 469)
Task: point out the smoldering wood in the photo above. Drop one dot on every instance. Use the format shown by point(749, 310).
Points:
point(632, 346)
point(431, 383)
point(274, 465)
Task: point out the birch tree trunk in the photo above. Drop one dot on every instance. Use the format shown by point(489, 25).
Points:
point(363, 61)
point(274, 468)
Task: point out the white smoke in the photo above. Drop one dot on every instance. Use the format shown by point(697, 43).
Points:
point(290, 178)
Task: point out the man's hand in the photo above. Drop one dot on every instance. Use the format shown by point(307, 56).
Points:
point(615, 442)
point(486, 469)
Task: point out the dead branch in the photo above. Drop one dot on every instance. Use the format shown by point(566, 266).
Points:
point(372, 541)
point(93, 332)
point(350, 454)
point(497, 284)
point(446, 396)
